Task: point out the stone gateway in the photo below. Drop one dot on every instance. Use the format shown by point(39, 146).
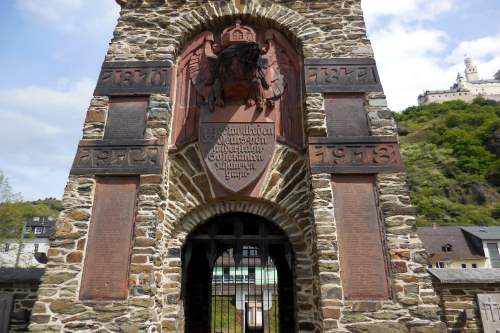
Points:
point(239, 172)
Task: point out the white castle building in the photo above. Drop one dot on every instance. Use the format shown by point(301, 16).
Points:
point(466, 88)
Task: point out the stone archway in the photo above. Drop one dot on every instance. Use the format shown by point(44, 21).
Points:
point(302, 246)
point(238, 277)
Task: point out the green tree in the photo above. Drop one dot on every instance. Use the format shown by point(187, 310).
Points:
point(451, 151)
point(14, 212)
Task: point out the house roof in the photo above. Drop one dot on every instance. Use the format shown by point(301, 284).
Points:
point(484, 233)
point(21, 275)
point(470, 275)
point(40, 221)
point(47, 222)
point(435, 238)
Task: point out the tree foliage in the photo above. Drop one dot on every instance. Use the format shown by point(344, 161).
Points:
point(452, 155)
point(14, 212)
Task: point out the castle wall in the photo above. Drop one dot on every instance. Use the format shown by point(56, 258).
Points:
point(171, 204)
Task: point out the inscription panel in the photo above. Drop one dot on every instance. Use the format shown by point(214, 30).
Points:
point(346, 116)
point(364, 269)
point(133, 78)
point(126, 118)
point(341, 75)
point(355, 155)
point(105, 274)
point(489, 306)
point(123, 157)
point(236, 154)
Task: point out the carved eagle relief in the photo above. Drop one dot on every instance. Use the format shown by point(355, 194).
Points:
point(237, 67)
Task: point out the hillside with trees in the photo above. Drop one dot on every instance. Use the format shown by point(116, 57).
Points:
point(452, 156)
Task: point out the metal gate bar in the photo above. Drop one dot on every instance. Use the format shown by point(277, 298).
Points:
point(245, 295)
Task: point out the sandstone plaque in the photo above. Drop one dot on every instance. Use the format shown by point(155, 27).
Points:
point(364, 269)
point(126, 118)
point(346, 115)
point(236, 154)
point(341, 75)
point(133, 78)
point(355, 155)
point(118, 157)
point(105, 274)
point(489, 306)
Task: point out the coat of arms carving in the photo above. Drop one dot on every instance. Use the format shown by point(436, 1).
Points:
point(238, 81)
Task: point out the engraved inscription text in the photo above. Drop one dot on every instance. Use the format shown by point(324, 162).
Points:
point(236, 154)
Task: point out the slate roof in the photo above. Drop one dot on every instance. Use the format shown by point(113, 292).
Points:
point(471, 275)
point(484, 233)
point(47, 222)
point(9, 275)
point(435, 239)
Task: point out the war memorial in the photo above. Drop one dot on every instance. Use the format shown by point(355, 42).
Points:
point(239, 171)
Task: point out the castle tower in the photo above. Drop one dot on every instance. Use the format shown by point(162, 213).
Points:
point(471, 73)
point(239, 171)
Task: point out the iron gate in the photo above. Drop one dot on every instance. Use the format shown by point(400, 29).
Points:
point(238, 277)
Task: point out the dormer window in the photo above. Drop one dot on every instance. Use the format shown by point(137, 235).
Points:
point(447, 248)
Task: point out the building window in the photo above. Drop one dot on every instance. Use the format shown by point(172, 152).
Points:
point(464, 265)
point(227, 274)
point(474, 265)
point(38, 230)
point(251, 274)
point(440, 264)
point(6, 247)
point(447, 248)
point(27, 229)
point(36, 248)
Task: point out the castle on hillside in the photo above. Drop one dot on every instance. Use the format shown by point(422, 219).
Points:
point(466, 88)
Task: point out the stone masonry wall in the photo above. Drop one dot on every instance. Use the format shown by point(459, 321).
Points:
point(158, 29)
point(460, 306)
point(25, 295)
point(171, 205)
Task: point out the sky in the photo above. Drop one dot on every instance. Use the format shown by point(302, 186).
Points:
point(51, 52)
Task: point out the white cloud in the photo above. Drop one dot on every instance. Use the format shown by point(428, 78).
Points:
point(405, 10)
point(409, 62)
point(413, 57)
point(72, 15)
point(485, 51)
point(39, 130)
point(51, 10)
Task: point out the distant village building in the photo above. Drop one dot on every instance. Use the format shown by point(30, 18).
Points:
point(462, 247)
point(466, 88)
point(31, 250)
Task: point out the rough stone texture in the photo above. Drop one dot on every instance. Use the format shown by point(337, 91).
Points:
point(460, 306)
point(321, 29)
point(25, 294)
point(95, 121)
point(315, 115)
point(171, 205)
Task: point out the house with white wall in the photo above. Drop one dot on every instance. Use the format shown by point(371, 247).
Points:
point(30, 249)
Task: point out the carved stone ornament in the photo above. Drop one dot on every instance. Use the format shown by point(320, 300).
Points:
point(241, 68)
point(237, 70)
point(489, 307)
point(355, 155)
point(118, 157)
point(237, 154)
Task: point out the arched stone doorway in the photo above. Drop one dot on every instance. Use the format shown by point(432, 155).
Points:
point(238, 277)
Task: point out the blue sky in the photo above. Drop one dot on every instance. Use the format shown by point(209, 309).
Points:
point(52, 51)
